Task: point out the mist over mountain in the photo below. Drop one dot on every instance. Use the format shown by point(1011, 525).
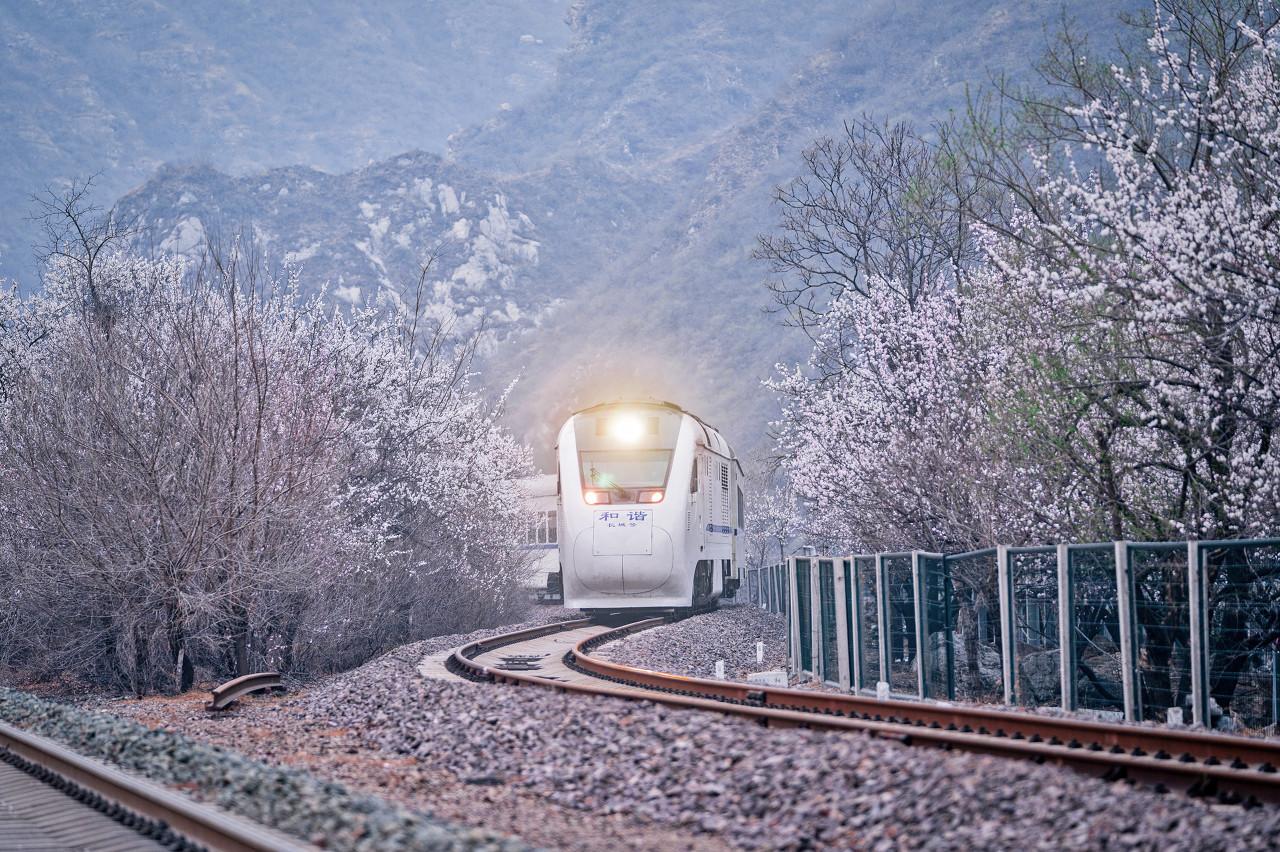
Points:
point(122, 86)
point(601, 223)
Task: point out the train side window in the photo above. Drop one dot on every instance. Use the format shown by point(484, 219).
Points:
point(742, 521)
point(551, 527)
point(693, 478)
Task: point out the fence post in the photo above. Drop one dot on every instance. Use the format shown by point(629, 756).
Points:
point(815, 623)
point(779, 601)
point(922, 633)
point(842, 625)
point(1199, 634)
point(1066, 636)
point(1004, 577)
point(1124, 599)
point(882, 619)
point(1275, 686)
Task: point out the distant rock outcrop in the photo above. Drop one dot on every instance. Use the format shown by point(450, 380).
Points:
point(363, 232)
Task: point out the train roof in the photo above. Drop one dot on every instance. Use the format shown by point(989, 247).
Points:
point(717, 442)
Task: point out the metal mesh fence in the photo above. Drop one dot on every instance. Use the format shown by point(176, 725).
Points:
point(827, 611)
point(1034, 576)
point(900, 611)
point(1243, 621)
point(977, 672)
point(1161, 628)
point(868, 604)
point(845, 566)
point(767, 584)
point(1189, 625)
point(1095, 633)
point(938, 658)
point(804, 607)
point(784, 588)
point(782, 583)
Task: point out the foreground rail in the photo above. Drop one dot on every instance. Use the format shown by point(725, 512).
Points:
point(160, 818)
point(1233, 769)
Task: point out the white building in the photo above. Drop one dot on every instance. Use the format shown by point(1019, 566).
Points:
point(541, 537)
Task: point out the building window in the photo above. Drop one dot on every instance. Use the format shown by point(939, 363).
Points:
point(542, 530)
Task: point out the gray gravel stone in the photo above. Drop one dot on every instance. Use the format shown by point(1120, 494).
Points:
point(289, 800)
point(691, 647)
point(760, 787)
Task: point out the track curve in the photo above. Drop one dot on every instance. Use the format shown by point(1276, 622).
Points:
point(1232, 769)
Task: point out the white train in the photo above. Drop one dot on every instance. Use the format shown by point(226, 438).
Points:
point(650, 509)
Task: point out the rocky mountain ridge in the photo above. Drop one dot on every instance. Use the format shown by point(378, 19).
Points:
point(602, 227)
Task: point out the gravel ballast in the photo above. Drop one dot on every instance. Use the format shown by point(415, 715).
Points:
point(288, 800)
point(692, 646)
point(766, 788)
point(654, 777)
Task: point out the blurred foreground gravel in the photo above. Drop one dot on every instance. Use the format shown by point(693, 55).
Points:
point(292, 801)
point(525, 760)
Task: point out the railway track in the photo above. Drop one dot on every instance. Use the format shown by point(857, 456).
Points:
point(54, 799)
point(1235, 770)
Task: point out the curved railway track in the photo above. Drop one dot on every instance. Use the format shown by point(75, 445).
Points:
point(560, 656)
point(52, 798)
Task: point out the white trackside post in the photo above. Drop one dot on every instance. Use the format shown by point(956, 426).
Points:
point(1173, 716)
point(720, 669)
point(759, 652)
point(882, 690)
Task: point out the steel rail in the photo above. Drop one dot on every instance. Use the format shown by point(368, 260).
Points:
point(140, 803)
point(1236, 769)
point(228, 693)
point(460, 662)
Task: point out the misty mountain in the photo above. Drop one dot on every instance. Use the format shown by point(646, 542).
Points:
point(123, 86)
point(679, 310)
point(604, 222)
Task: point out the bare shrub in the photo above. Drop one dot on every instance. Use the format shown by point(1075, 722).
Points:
point(202, 468)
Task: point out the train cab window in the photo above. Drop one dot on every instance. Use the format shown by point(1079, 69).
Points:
point(625, 468)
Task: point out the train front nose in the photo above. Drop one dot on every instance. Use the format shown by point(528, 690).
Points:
point(623, 552)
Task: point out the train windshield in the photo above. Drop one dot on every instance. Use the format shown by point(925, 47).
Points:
point(625, 469)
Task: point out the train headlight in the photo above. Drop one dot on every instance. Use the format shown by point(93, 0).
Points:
point(650, 495)
point(627, 428)
point(595, 498)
